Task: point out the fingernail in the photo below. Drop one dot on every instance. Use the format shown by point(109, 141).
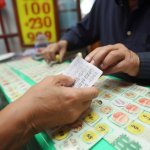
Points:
point(93, 62)
point(87, 58)
point(102, 66)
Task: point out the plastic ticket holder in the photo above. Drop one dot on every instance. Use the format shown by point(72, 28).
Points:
point(40, 43)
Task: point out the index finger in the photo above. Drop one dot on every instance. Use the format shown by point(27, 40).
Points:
point(86, 94)
point(45, 53)
point(50, 51)
point(62, 53)
point(101, 53)
point(90, 56)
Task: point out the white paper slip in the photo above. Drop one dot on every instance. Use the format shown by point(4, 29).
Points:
point(83, 72)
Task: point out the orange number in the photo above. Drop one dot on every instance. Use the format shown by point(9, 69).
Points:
point(46, 8)
point(36, 23)
point(35, 8)
point(47, 21)
point(48, 34)
point(26, 8)
point(31, 36)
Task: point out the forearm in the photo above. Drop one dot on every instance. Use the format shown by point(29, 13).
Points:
point(85, 32)
point(144, 70)
point(14, 130)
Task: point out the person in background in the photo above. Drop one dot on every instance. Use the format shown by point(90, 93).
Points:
point(123, 29)
point(50, 103)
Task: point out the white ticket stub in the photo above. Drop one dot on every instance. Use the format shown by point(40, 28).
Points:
point(84, 73)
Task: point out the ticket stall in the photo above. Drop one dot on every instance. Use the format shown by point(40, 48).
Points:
point(118, 118)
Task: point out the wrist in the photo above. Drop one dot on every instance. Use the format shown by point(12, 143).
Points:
point(36, 111)
point(24, 117)
point(27, 109)
point(134, 64)
point(15, 130)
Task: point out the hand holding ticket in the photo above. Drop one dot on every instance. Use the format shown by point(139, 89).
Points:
point(83, 72)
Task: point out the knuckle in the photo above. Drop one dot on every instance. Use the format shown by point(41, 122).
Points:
point(95, 58)
point(50, 51)
point(52, 48)
point(120, 45)
point(52, 44)
point(48, 48)
point(109, 46)
point(121, 66)
point(97, 48)
point(113, 53)
point(71, 96)
point(57, 79)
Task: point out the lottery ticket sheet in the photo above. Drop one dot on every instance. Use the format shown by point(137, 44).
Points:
point(120, 114)
point(85, 74)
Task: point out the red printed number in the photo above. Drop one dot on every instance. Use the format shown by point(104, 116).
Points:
point(32, 35)
point(38, 23)
point(35, 8)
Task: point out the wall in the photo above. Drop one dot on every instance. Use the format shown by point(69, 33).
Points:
point(10, 25)
point(67, 20)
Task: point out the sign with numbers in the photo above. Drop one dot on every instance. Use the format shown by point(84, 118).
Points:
point(35, 17)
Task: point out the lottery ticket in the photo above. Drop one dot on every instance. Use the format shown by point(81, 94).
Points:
point(84, 73)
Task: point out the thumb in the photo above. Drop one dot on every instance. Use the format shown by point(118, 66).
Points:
point(62, 53)
point(86, 94)
point(64, 80)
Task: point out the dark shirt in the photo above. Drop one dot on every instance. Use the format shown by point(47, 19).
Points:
point(111, 22)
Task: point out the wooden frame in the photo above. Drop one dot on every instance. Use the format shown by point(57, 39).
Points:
point(4, 35)
point(19, 26)
point(79, 10)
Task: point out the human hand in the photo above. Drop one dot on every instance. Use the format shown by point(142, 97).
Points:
point(49, 53)
point(115, 58)
point(50, 103)
point(53, 102)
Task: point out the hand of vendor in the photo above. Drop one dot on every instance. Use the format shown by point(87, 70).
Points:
point(48, 104)
point(50, 52)
point(115, 58)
